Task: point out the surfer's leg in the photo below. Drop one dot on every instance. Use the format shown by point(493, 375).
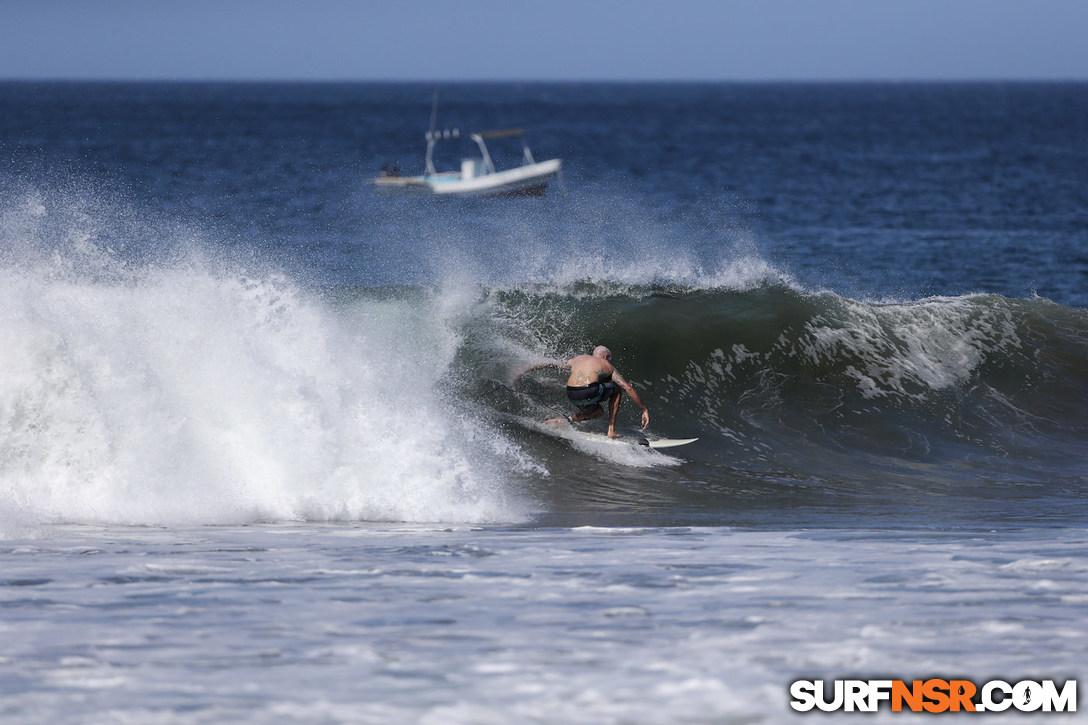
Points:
point(613, 408)
point(584, 413)
point(588, 413)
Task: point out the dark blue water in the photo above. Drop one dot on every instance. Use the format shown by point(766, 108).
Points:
point(861, 297)
point(890, 189)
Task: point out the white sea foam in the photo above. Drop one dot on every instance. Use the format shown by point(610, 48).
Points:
point(931, 344)
point(381, 623)
point(194, 392)
point(742, 271)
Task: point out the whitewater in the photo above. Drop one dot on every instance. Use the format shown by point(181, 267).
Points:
point(188, 391)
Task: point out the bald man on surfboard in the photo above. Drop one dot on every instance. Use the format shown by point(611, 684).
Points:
point(592, 381)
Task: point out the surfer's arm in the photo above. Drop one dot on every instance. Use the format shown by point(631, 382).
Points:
point(633, 395)
point(561, 364)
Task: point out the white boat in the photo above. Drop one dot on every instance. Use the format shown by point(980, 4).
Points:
point(478, 176)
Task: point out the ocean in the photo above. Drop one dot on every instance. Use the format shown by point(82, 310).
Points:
point(263, 458)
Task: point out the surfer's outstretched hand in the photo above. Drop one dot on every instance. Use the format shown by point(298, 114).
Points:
point(645, 419)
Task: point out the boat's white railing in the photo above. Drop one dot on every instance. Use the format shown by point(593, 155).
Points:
point(489, 166)
point(434, 136)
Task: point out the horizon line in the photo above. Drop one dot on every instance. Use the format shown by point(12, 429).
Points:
point(678, 81)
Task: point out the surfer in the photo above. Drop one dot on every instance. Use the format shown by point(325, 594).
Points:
point(593, 381)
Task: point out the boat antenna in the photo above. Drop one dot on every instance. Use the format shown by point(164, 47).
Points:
point(430, 133)
point(434, 110)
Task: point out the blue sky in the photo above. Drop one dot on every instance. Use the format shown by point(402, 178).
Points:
point(544, 39)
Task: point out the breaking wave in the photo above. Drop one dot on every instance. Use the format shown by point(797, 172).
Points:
point(149, 379)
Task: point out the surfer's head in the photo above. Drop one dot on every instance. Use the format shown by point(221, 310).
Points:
point(602, 351)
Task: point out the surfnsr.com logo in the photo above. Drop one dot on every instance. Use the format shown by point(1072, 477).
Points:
point(933, 696)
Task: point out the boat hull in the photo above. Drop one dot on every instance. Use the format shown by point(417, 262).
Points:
point(528, 180)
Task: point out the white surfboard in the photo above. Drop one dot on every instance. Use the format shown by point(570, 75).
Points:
point(640, 440)
point(667, 442)
point(568, 431)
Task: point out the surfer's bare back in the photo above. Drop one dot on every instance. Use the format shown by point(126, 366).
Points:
point(592, 381)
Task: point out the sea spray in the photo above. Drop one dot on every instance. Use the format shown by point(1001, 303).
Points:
point(196, 391)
